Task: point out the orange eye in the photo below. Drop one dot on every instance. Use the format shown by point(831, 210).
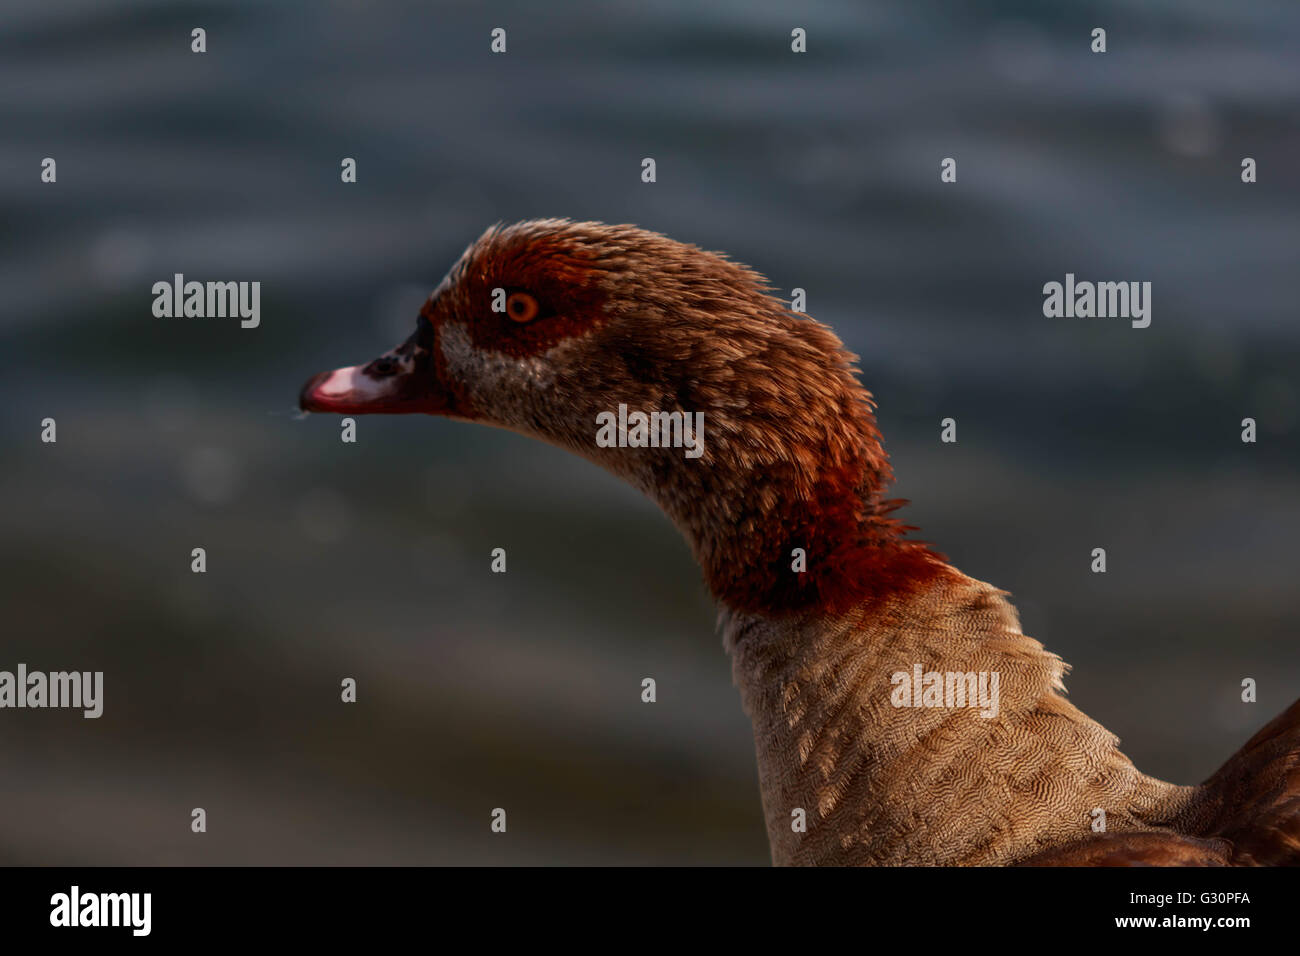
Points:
point(522, 307)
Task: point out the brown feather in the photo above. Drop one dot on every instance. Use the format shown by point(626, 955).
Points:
point(794, 460)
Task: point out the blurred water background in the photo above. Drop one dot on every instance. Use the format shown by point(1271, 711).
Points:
point(521, 690)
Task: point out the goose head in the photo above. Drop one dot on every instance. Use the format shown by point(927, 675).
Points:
point(548, 327)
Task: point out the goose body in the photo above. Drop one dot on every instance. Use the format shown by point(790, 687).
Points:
point(836, 621)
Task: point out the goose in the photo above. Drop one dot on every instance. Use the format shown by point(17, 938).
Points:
point(831, 613)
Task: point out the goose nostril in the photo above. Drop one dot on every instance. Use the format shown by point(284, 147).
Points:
point(382, 368)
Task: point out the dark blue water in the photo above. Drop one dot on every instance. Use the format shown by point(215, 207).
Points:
point(822, 171)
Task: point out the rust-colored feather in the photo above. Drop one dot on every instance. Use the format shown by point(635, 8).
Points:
point(794, 465)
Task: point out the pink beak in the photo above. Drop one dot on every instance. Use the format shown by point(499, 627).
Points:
point(399, 382)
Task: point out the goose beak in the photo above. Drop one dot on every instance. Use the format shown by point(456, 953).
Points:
point(399, 382)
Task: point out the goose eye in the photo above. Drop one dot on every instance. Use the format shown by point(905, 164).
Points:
point(522, 307)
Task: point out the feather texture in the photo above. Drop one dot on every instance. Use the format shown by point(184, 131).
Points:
point(794, 464)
